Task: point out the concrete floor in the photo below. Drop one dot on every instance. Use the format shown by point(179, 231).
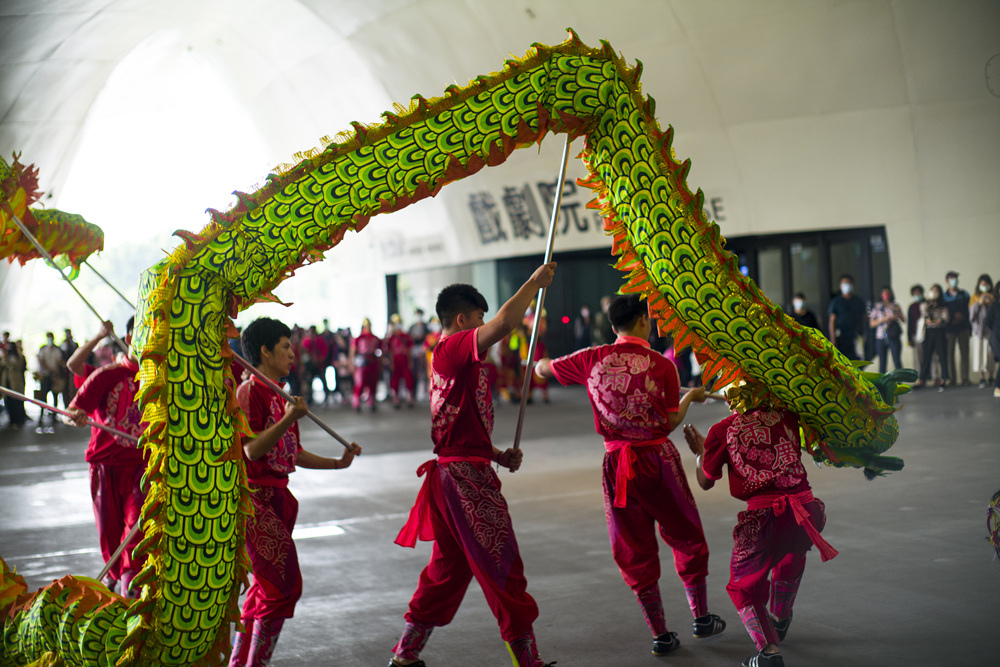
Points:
point(915, 581)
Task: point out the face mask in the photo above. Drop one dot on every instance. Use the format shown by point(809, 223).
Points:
point(846, 288)
point(984, 288)
point(918, 297)
point(953, 282)
point(797, 304)
point(886, 297)
point(935, 295)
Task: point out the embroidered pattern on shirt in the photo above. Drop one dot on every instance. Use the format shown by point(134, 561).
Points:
point(759, 461)
point(124, 418)
point(281, 457)
point(631, 413)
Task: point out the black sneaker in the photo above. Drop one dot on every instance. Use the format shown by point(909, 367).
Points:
point(707, 626)
point(665, 643)
point(781, 627)
point(764, 660)
point(418, 663)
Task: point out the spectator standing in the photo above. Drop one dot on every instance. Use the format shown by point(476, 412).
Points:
point(418, 332)
point(979, 304)
point(958, 330)
point(51, 374)
point(603, 327)
point(935, 319)
point(331, 355)
point(886, 318)
point(317, 352)
point(12, 369)
point(582, 329)
point(68, 347)
point(801, 314)
point(914, 324)
point(992, 322)
point(847, 318)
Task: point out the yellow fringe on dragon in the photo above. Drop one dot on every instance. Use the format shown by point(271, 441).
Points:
point(193, 517)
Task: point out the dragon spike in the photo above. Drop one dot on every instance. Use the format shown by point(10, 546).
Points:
point(360, 131)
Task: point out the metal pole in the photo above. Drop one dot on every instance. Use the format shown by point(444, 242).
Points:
point(108, 283)
point(109, 429)
point(118, 552)
point(288, 397)
point(48, 258)
point(540, 300)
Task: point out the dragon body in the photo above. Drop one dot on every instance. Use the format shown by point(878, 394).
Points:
point(193, 517)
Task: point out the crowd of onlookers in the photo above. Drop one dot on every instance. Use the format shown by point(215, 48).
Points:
point(51, 368)
point(954, 335)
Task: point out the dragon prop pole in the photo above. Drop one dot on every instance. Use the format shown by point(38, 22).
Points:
point(540, 300)
point(91, 422)
point(48, 258)
point(194, 514)
point(288, 397)
point(109, 284)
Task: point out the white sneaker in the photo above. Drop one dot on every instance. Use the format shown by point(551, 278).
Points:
point(996, 393)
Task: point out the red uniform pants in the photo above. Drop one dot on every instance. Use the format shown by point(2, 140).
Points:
point(473, 537)
point(277, 581)
point(117, 503)
point(658, 494)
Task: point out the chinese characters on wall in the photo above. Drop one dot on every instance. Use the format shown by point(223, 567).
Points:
point(522, 212)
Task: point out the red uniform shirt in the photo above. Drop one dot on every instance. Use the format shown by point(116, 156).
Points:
point(399, 345)
point(632, 388)
point(762, 448)
point(317, 348)
point(108, 397)
point(264, 407)
point(461, 402)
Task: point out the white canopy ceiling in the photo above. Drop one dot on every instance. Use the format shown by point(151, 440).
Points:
point(795, 113)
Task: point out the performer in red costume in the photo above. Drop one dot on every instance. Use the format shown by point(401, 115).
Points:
point(271, 456)
point(460, 506)
point(116, 465)
point(781, 523)
point(634, 394)
point(398, 349)
point(366, 363)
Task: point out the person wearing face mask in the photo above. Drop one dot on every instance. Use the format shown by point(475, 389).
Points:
point(847, 318)
point(915, 324)
point(982, 360)
point(886, 317)
point(801, 314)
point(935, 319)
point(958, 330)
point(50, 376)
point(992, 322)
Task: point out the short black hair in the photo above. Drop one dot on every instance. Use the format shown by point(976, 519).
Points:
point(456, 299)
point(917, 287)
point(130, 326)
point(625, 310)
point(799, 295)
point(262, 331)
point(846, 276)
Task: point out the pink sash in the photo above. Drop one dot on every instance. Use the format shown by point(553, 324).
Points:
point(779, 502)
point(418, 526)
point(626, 463)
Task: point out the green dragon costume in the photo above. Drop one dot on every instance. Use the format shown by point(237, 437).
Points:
point(193, 517)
